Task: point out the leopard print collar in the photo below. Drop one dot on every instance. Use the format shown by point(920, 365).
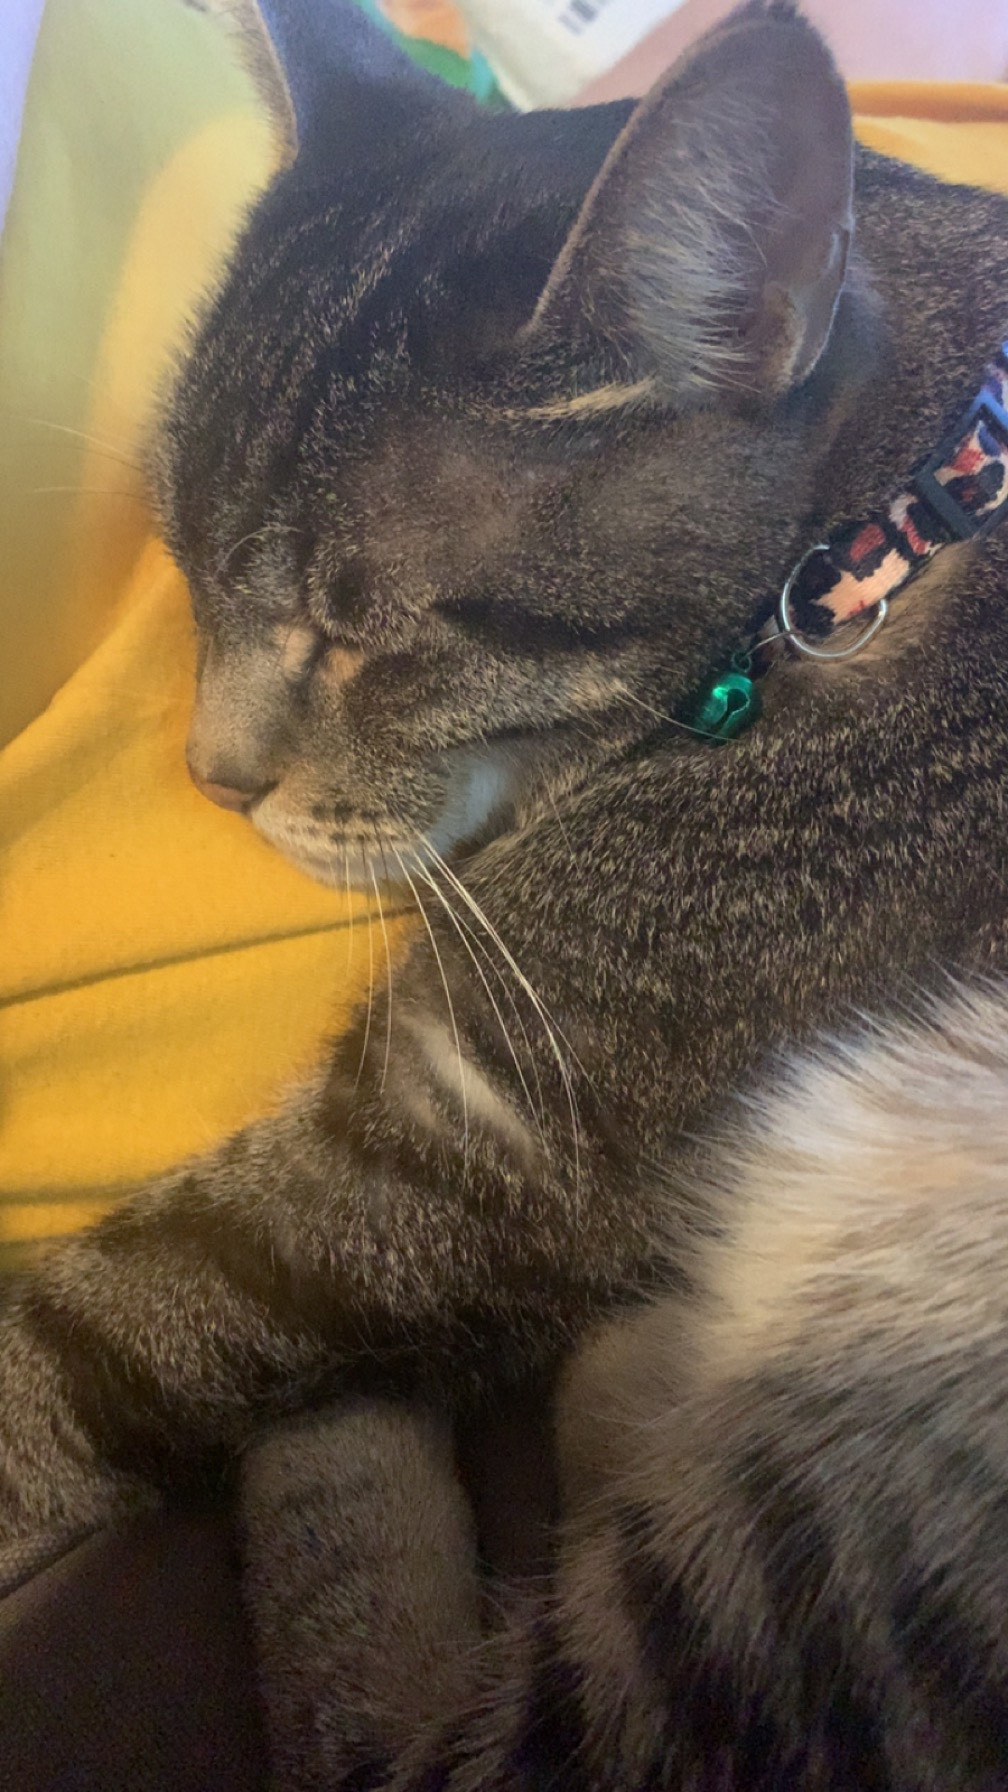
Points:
point(960, 492)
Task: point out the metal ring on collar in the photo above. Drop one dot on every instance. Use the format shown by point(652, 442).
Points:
point(812, 652)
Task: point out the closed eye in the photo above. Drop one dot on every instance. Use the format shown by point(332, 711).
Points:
point(503, 622)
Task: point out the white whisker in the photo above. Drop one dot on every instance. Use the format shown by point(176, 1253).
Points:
point(81, 491)
point(490, 961)
point(81, 435)
point(563, 830)
point(453, 918)
point(388, 973)
point(474, 940)
point(622, 695)
point(370, 999)
point(451, 1015)
point(276, 528)
point(483, 918)
point(549, 1026)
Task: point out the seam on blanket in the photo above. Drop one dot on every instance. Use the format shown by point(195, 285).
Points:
point(193, 956)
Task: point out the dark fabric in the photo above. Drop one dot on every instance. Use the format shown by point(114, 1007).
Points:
point(127, 1667)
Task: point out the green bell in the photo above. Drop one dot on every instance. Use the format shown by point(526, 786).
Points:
point(731, 705)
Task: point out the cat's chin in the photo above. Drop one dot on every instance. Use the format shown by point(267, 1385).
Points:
point(352, 865)
point(361, 868)
point(479, 789)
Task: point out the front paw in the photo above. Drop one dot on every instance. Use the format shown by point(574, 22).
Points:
point(54, 1488)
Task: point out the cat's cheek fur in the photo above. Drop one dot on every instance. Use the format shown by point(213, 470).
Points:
point(477, 784)
point(482, 781)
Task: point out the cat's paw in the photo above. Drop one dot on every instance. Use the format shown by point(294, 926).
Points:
point(54, 1488)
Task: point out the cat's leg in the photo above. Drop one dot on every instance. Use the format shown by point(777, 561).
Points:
point(784, 1560)
point(361, 1578)
point(406, 1204)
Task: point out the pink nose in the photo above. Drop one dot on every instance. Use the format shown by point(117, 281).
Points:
point(224, 795)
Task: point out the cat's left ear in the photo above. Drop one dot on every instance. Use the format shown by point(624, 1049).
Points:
point(711, 250)
point(323, 71)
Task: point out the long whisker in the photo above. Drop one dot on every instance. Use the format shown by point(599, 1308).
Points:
point(388, 973)
point(563, 831)
point(370, 1000)
point(427, 879)
point(622, 695)
point(473, 943)
point(484, 921)
point(275, 528)
point(81, 435)
point(81, 491)
point(477, 942)
point(451, 1015)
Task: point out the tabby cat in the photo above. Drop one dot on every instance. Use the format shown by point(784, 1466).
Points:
point(486, 454)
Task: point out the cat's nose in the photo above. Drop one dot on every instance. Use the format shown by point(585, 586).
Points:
point(226, 796)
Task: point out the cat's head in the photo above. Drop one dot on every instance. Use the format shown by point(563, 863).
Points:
point(498, 427)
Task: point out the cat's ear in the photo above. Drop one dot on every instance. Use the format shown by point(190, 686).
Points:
point(321, 68)
point(711, 250)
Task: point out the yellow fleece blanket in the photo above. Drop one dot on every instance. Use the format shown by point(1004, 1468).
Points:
point(162, 973)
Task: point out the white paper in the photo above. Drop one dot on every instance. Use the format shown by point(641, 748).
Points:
point(544, 51)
